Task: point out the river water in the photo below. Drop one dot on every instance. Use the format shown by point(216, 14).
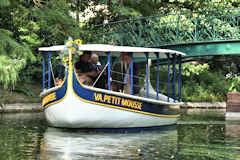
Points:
point(203, 136)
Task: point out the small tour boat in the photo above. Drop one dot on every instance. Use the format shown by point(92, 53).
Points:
point(74, 104)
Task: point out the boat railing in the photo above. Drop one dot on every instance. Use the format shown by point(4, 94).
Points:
point(173, 76)
point(48, 91)
point(171, 89)
point(135, 97)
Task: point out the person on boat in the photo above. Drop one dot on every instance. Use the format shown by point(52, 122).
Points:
point(85, 80)
point(85, 69)
point(121, 75)
point(59, 81)
point(97, 67)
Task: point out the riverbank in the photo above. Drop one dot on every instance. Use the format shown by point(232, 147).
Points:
point(36, 107)
point(204, 105)
point(20, 107)
point(24, 93)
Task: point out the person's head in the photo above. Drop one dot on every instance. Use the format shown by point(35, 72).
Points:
point(86, 56)
point(125, 58)
point(94, 59)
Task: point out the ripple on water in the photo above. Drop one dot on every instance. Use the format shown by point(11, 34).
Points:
point(26, 136)
point(99, 145)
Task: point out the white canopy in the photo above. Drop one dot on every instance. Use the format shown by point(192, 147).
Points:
point(112, 49)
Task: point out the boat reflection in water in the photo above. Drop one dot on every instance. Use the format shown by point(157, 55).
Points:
point(77, 144)
point(233, 130)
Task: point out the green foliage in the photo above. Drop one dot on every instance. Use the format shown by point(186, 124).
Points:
point(29, 34)
point(127, 12)
point(199, 83)
point(202, 84)
point(190, 70)
point(57, 25)
point(235, 82)
point(4, 3)
point(24, 27)
point(13, 58)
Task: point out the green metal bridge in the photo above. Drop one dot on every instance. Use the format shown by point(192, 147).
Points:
point(206, 33)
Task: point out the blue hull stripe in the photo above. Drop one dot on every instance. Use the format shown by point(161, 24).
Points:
point(112, 101)
point(59, 94)
point(120, 102)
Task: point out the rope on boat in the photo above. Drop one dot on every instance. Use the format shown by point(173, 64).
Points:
point(143, 77)
point(140, 78)
point(125, 83)
point(53, 74)
point(100, 74)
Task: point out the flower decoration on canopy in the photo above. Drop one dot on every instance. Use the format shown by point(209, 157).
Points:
point(72, 46)
point(78, 42)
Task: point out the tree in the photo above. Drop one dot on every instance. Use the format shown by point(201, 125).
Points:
point(27, 25)
point(13, 55)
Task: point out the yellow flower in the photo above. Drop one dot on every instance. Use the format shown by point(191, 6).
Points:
point(80, 53)
point(64, 60)
point(73, 49)
point(78, 42)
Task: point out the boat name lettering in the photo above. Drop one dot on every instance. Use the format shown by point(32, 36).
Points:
point(117, 101)
point(48, 98)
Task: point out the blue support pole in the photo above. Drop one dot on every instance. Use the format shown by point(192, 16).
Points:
point(49, 69)
point(168, 86)
point(179, 77)
point(147, 79)
point(43, 72)
point(131, 72)
point(60, 70)
point(174, 78)
point(157, 89)
point(109, 70)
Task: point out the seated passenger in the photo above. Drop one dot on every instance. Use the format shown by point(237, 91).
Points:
point(59, 81)
point(60, 74)
point(84, 67)
point(85, 80)
point(121, 75)
point(98, 68)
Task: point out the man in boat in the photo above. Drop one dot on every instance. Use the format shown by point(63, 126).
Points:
point(121, 75)
point(97, 67)
point(85, 69)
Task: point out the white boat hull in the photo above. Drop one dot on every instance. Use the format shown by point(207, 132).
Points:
point(73, 113)
point(76, 106)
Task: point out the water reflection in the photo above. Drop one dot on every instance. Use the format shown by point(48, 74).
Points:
point(208, 136)
point(20, 134)
point(72, 144)
point(233, 130)
point(196, 137)
point(201, 141)
point(232, 138)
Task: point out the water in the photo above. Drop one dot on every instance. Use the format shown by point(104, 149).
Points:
point(205, 136)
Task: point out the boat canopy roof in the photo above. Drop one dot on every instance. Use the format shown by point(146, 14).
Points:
point(101, 49)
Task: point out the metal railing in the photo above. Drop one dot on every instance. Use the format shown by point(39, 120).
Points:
point(177, 28)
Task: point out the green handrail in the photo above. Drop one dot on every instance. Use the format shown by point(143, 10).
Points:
point(177, 28)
